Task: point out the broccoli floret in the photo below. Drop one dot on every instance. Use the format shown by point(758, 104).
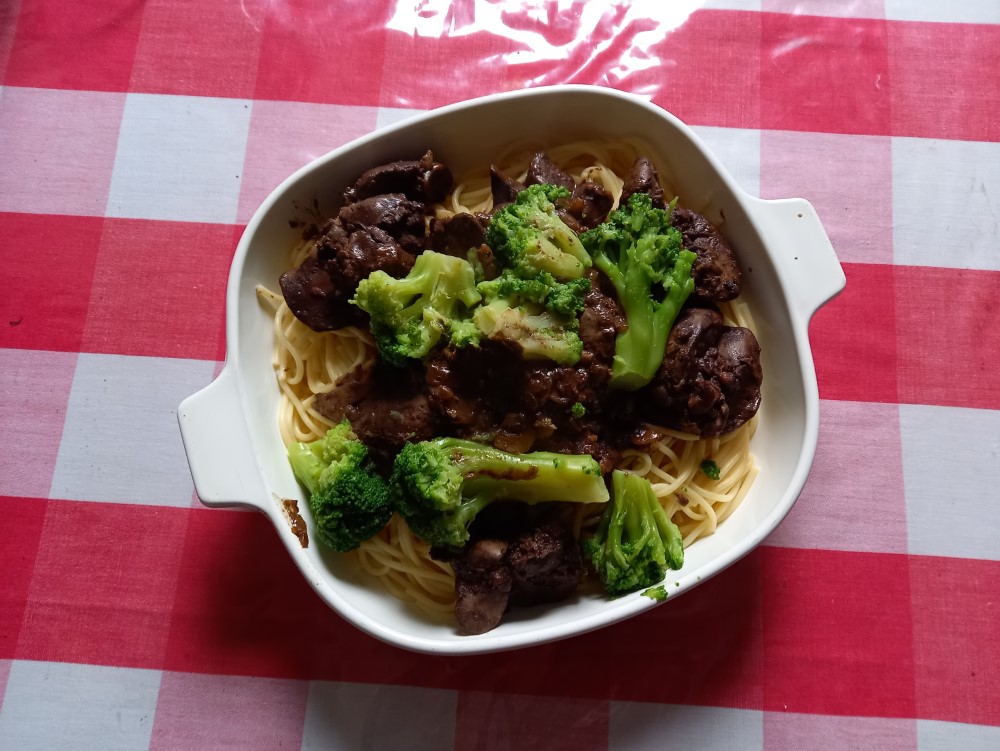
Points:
point(635, 542)
point(535, 331)
point(409, 316)
point(641, 254)
point(565, 299)
point(440, 485)
point(528, 237)
point(578, 410)
point(538, 315)
point(349, 500)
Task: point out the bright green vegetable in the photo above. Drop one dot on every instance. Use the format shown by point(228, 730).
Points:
point(537, 315)
point(442, 484)
point(537, 333)
point(557, 297)
point(431, 304)
point(635, 542)
point(658, 593)
point(711, 469)
point(641, 254)
point(349, 500)
point(528, 237)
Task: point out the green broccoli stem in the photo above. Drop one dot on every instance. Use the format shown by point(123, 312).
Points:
point(307, 463)
point(639, 349)
point(532, 478)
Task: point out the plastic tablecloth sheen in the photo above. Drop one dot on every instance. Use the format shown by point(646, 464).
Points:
point(136, 139)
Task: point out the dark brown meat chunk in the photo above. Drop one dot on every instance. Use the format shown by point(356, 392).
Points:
point(543, 171)
point(320, 290)
point(518, 556)
point(351, 388)
point(483, 583)
point(367, 250)
point(602, 319)
point(471, 387)
point(545, 563)
point(393, 213)
point(642, 178)
point(503, 188)
point(716, 271)
point(392, 409)
point(709, 382)
point(740, 374)
point(424, 180)
point(314, 298)
point(456, 235)
point(588, 205)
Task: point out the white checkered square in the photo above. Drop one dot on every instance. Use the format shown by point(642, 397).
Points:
point(392, 115)
point(792, 731)
point(945, 209)
point(50, 705)
point(51, 163)
point(355, 715)
point(933, 735)
point(179, 158)
point(120, 442)
point(653, 727)
point(739, 152)
point(964, 11)
point(951, 476)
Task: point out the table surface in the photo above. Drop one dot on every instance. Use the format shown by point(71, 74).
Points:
point(137, 138)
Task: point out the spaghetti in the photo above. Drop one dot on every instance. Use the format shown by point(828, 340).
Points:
point(308, 363)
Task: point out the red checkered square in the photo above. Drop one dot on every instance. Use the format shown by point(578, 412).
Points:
point(944, 80)
point(160, 289)
point(245, 609)
point(854, 195)
point(824, 74)
point(36, 386)
point(54, 164)
point(62, 45)
point(48, 264)
point(210, 711)
point(947, 337)
point(498, 722)
point(19, 536)
point(338, 59)
point(830, 650)
point(854, 338)
point(8, 27)
point(708, 72)
point(956, 609)
point(103, 584)
point(199, 48)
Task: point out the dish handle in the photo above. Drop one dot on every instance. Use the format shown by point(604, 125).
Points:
point(217, 443)
point(802, 252)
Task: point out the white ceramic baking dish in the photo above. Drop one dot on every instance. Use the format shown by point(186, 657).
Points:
point(229, 428)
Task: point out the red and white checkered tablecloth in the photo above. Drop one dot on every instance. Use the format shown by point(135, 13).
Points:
point(136, 139)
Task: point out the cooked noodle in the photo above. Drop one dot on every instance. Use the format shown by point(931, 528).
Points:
point(308, 363)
